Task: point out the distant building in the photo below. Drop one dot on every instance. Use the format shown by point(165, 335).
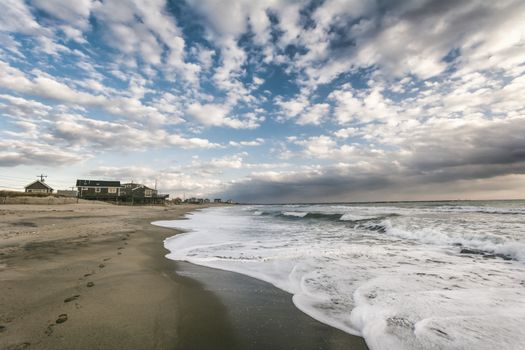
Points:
point(138, 193)
point(176, 200)
point(114, 191)
point(39, 186)
point(138, 190)
point(98, 189)
point(194, 200)
point(217, 200)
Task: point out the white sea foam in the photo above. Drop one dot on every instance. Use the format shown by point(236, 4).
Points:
point(396, 275)
point(356, 217)
point(298, 214)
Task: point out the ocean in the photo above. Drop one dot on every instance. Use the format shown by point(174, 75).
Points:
point(406, 275)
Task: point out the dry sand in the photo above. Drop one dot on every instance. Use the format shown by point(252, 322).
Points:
point(93, 276)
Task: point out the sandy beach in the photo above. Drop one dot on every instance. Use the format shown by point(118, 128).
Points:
point(94, 276)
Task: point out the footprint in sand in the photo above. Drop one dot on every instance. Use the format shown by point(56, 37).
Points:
point(89, 274)
point(119, 248)
point(61, 318)
point(90, 284)
point(107, 259)
point(2, 328)
point(101, 266)
point(74, 297)
point(49, 330)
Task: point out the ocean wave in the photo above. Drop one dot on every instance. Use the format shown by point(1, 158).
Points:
point(481, 210)
point(327, 216)
point(487, 246)
point(418, 282)
point(295, 214)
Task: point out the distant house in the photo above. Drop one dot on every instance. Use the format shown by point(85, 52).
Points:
point(193, 200)
point(138, 193)
point(98, 189)
point(138, 190)
point(38, 186)
point(217, 200)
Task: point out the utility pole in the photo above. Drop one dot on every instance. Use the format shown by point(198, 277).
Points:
point(41, 176)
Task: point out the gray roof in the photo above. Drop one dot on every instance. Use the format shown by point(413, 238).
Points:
point(38, 185)
point(135, 186)
point(97, 183)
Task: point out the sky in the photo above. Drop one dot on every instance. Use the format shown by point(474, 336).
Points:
point(267, 101)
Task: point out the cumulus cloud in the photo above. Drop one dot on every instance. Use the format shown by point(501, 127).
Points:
point(257, 142)
point(218, 115)
point(45, 86)
point(408, 97)
point(15, 152)
point(15, 16)
point(104, 135)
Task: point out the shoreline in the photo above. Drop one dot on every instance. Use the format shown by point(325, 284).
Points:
point(104, 268)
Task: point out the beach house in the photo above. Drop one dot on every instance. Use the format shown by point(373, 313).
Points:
point(98, 189)
point(38, 186)
point(138, 193)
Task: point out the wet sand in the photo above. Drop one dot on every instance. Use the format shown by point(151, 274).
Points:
point(259, 315)
point(94, 276)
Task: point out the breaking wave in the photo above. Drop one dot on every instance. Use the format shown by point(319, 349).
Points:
point(404, 276)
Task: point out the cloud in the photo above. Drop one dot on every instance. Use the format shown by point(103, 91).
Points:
point(335, 184)
point(172, 180)
point(155, 38)
point(293, 107)
point(75, 13)
point(424, 167)
point(15, 152)
point(46, 86)
point(15, 16)
point(315, 114)
point(217, 115)
point(103, 135)
point(189, 143)
point(369, 96)
point(257, 142)
point(346, 132)
point(20, 107)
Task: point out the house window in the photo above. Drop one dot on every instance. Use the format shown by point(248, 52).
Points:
point(84, 188)
point(97, 190)
point(112, 190)
point(147, 193)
